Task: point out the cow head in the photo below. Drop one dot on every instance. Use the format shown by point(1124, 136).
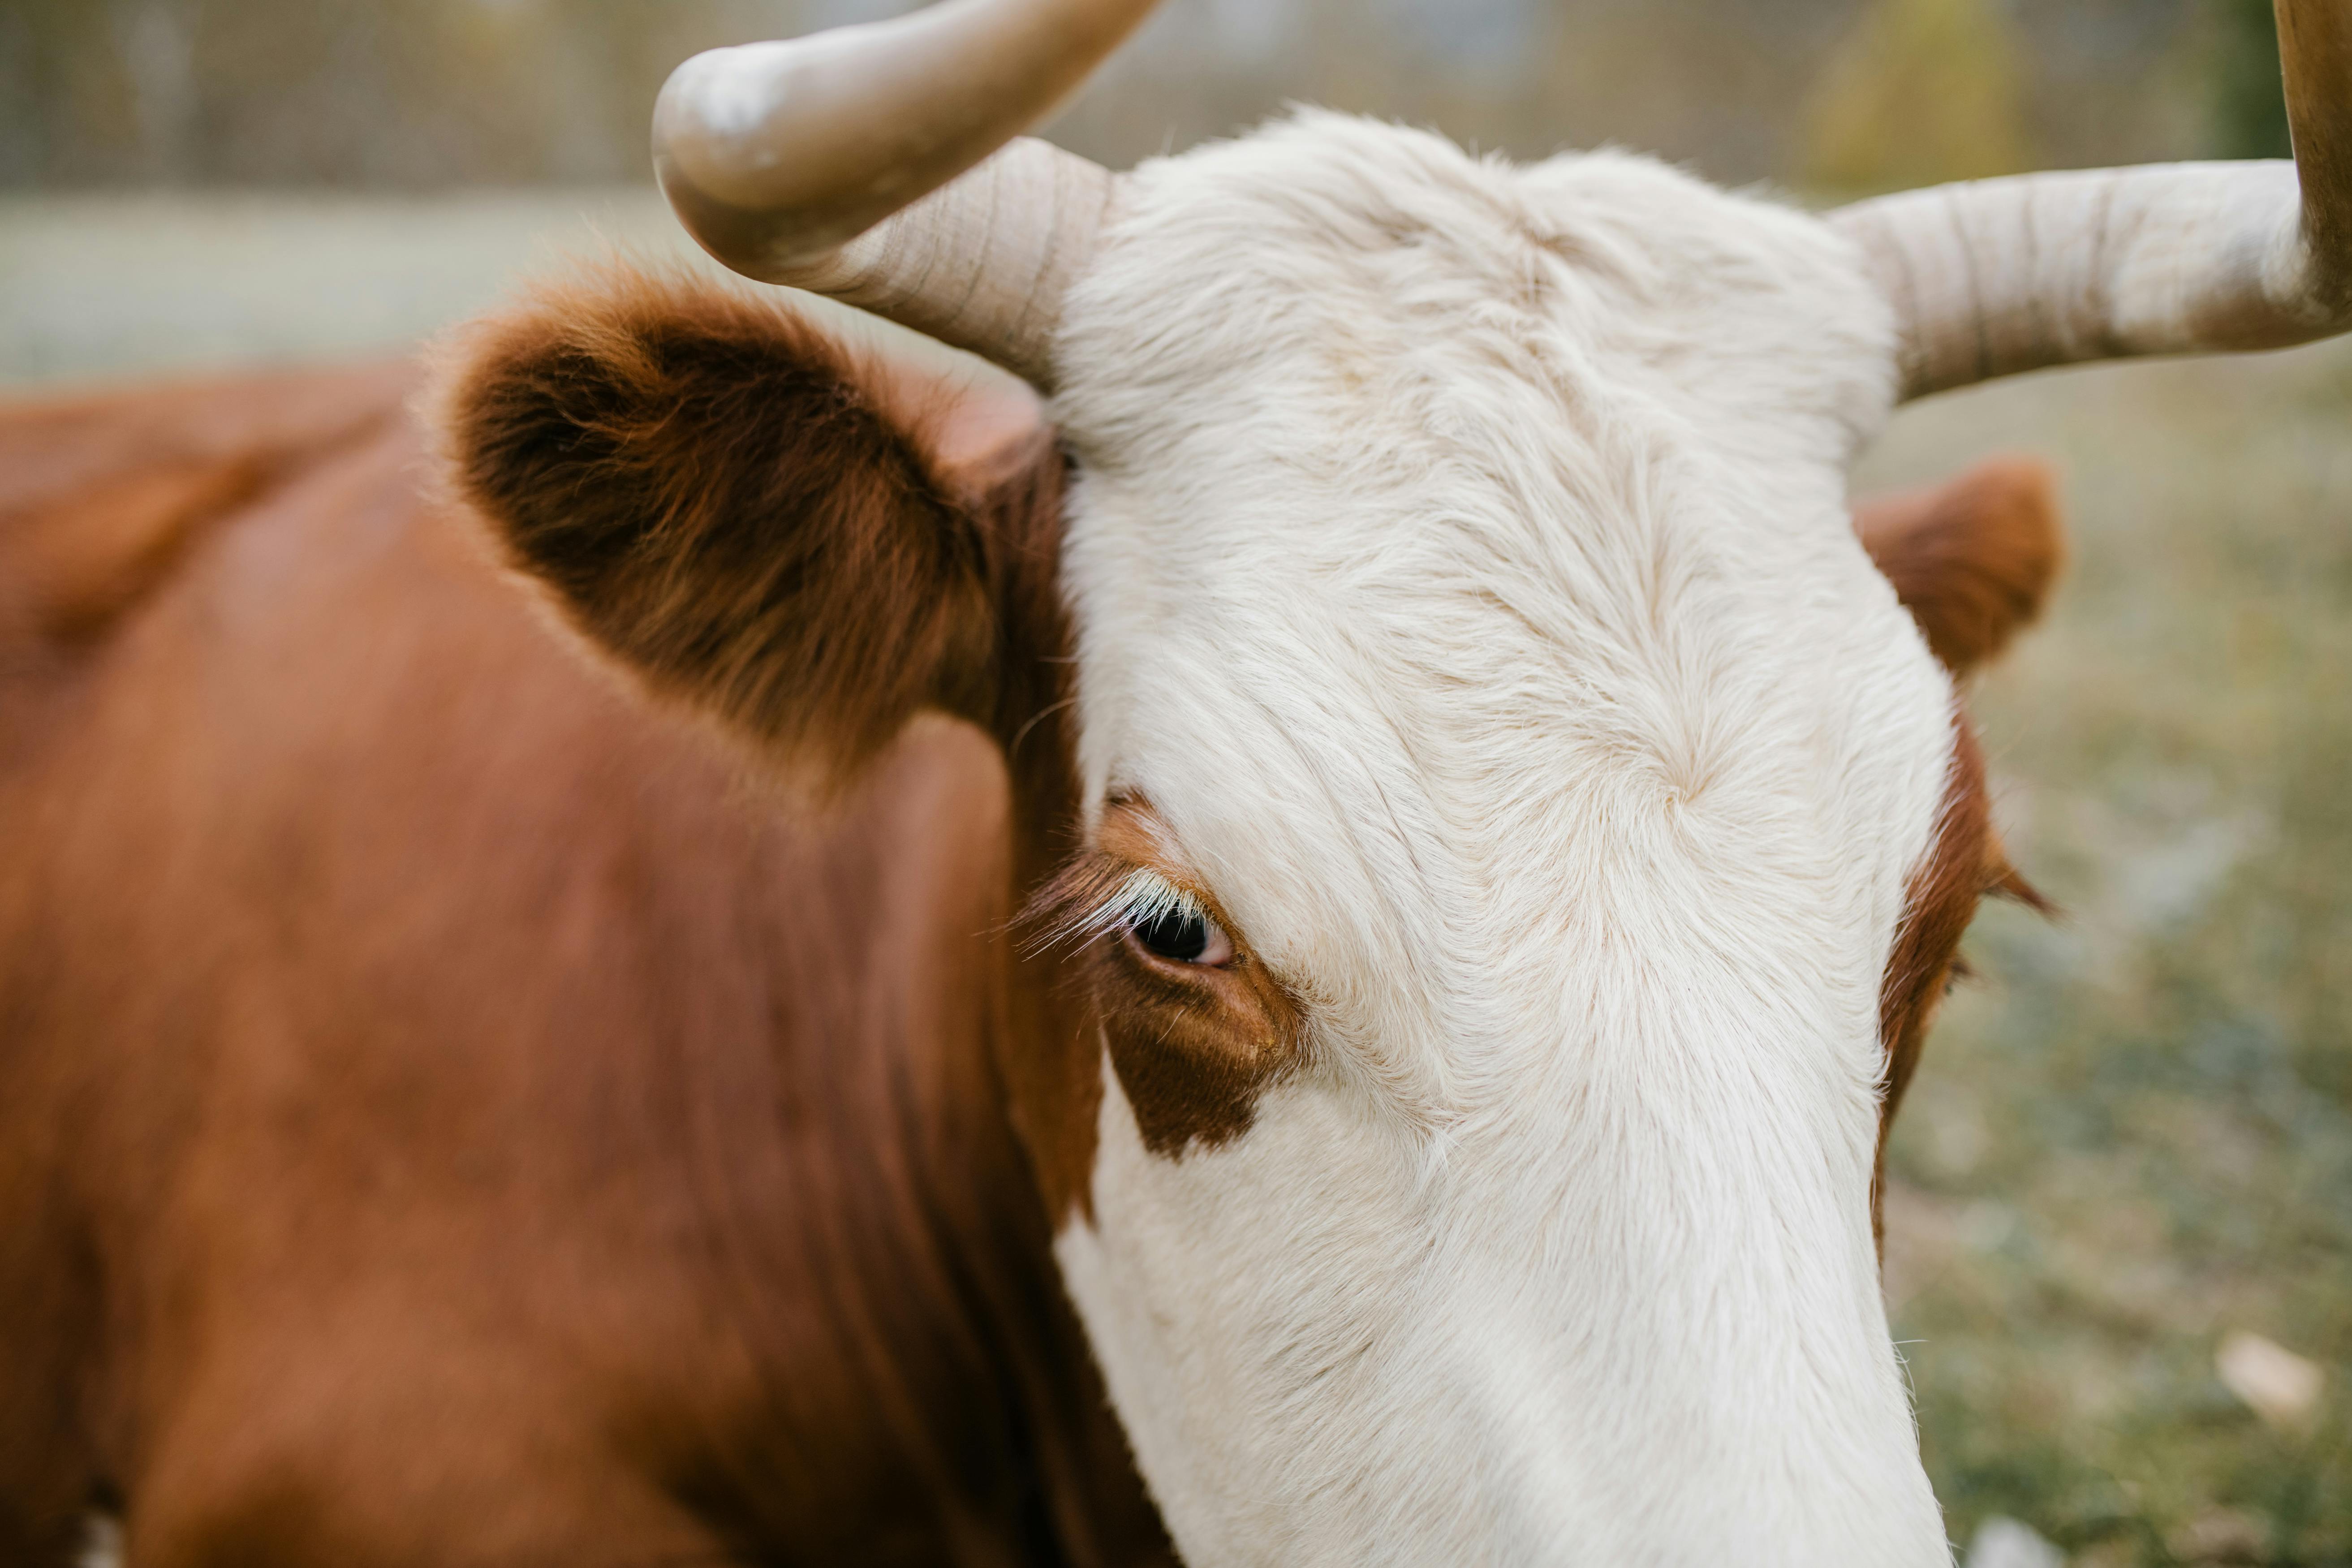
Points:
point(1517, 832)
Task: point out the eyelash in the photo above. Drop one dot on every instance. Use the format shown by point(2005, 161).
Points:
point(1163, 920)
point(1096, 898)
point(1143, 899)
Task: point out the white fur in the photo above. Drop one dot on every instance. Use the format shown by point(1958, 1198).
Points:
point(1462, 570)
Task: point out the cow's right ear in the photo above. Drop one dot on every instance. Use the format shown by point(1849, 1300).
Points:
point(752, 514)
point(1972, 558)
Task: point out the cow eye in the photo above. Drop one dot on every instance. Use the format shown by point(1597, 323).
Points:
point(1183, 936)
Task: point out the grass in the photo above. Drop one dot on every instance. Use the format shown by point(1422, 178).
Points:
point(2135, 1135)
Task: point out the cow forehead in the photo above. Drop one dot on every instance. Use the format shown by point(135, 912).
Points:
point(1360, 285)
point(1457, 547)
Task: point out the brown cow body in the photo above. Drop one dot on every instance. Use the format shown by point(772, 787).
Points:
point(449, 1113)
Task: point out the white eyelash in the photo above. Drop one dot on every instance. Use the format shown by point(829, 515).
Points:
point(1143, 899)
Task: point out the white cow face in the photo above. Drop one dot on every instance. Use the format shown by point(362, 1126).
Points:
point(1507, 775)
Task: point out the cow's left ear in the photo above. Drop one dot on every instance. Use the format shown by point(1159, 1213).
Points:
point(1972, 558)
point(755, 511)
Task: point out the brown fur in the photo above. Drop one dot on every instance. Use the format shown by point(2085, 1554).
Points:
point(1971, 558)
point(447, 1116)
point(102, 496)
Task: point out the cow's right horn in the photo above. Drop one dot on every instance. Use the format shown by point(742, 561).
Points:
point(1995, 277)
point(831, 163)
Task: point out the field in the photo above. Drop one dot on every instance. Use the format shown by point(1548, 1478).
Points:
point(2132, 1135)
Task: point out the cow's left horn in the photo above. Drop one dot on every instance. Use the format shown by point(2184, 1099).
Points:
point(1999, 276)
point(831, 163)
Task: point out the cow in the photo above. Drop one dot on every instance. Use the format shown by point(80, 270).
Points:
point(387, 991)
point(1307, 963)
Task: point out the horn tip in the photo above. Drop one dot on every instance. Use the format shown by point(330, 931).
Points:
point(708, 118)
point(748, 193)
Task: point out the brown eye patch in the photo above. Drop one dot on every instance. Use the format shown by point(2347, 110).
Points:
point(1195, 1044)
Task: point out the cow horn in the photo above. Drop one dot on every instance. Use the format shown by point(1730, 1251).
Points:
point(1994, 277)
point(831, 163)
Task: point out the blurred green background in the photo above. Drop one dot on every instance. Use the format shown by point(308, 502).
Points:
point(2131, 1144)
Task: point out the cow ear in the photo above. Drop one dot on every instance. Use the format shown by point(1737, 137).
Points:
point(1972, 558)
point(749, 510)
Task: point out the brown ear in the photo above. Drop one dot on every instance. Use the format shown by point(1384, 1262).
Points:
point(739, 508)
point(1972, 558)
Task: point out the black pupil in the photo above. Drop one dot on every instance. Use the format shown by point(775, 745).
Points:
point(1173, 933)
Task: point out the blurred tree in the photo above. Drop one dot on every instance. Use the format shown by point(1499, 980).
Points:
point(1921, 90)
point(410, 93)
point(2249, 106)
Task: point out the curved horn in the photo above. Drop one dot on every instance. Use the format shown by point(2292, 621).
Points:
point(819, 162)
point(1994, 277)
